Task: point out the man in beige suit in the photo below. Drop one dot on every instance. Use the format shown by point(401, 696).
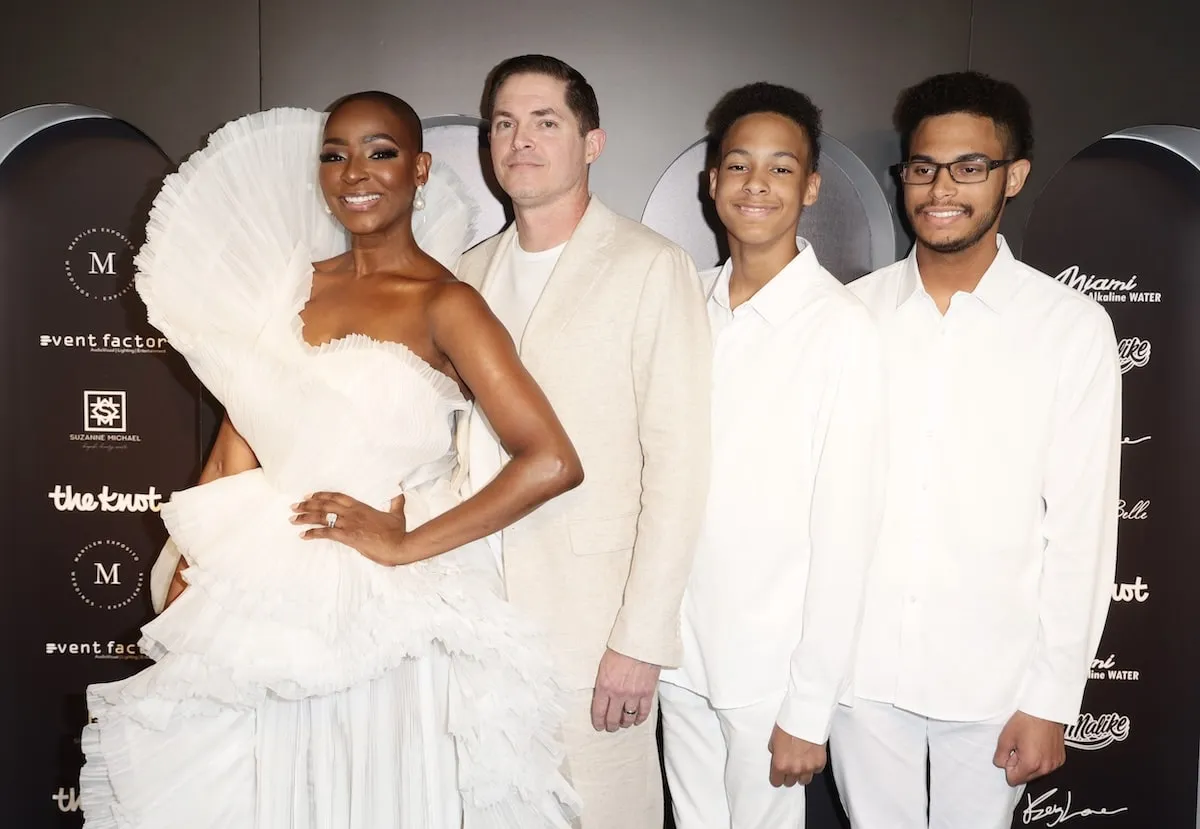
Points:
point(610, 320)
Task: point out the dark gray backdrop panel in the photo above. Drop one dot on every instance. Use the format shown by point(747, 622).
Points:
point(1121, 222)
point(177, 70)
point(100, 426)
point(657, 67)
point(1089, 67)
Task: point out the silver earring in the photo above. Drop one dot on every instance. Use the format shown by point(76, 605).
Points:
point(419, 198)
point(328, 212)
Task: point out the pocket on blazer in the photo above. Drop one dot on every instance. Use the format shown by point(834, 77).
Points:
point(594, 536)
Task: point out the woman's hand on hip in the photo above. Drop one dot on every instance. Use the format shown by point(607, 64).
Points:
point(376, 534)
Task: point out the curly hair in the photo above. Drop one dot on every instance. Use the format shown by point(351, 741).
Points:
point(397, 106)
point(974, 93)
point(581, 98)
point(765, 97)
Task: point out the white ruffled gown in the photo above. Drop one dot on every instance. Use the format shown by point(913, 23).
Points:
point(296, 684)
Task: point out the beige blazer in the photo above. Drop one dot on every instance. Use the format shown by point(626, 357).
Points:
point(620, 344)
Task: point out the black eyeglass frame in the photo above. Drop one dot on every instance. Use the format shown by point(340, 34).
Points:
point(988, 164)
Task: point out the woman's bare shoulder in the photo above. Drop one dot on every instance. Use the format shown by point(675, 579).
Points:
point(451, 299)
point(458, 314)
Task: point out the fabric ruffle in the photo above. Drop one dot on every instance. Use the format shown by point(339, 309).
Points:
point(225, 226)
point(302, 618)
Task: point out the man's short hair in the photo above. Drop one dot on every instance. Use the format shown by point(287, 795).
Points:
point(581, 98)
point(765, 97)
point(975, 94)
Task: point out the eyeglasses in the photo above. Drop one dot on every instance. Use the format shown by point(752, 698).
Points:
point(971, 171)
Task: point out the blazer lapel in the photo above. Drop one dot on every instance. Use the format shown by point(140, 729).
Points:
point(508, 238)
point(582, 262)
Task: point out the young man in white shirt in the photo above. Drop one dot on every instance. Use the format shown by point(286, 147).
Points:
point(990, 587)
point(771, 610)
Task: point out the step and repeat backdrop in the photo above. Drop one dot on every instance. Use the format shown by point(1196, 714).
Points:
point(104, 421)
point(100, 420)
point(1120, 222)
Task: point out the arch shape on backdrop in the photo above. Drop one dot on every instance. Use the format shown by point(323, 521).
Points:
point(1120, 222)
point(1183, 142)
point(17, 127)
point(461, 142)
point(850, 226)
point(101, 426)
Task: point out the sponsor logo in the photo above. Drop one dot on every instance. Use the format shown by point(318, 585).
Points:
point(1053, 808)
point(99, 263)
point(1134, 352)
point(1138, 592)
point(1106, 669)
point(1137, 511)
point(66, 499)
point(67, 800)
point(1134, 441)
point(105, 421)
point(104, 411)
point(106, 343)
point(1105, 289)
point(107, 574)
point(99, 650)
point(1093, 732)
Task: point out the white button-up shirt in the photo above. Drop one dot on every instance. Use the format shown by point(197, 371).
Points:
point(992, 581)
point(796, 491)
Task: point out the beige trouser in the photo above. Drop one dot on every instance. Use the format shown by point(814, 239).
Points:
point(617, 775)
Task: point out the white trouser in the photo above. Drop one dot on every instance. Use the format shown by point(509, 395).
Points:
point(878, 757)
point(718, 766)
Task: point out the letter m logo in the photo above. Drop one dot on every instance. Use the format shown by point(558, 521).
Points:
point(110, 576)
point(106, 266)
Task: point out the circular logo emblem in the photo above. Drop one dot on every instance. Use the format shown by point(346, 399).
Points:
point(100, 263)
point(107, 574)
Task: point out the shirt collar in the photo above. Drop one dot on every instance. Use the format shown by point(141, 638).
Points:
point(780, 298)
point(995, 290)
